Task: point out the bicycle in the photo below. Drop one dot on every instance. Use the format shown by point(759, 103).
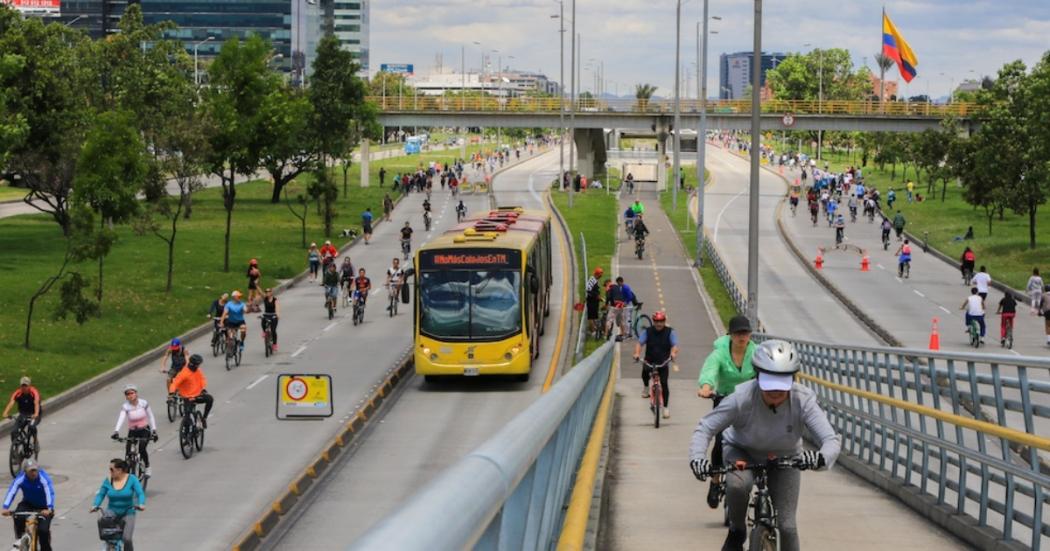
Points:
point(1008, 340)
point(131, 455)
point(853, 215)
point(234, 350)
point(358, 308)
point(28, 541)
point(656, 392)
point(406, 248)
point(974, 330)
point(885, 241)
point(111, 531)
point(426, 220)
point(639, 247)
point(764, 532)
point(967, 275)
point(24, 444)
point(218, 344)
point(904, 269)
point(191, 433)
point(329, 303)
point(392, 289)
point(459, 213)
point(268, 341)
point(639, 322)
point(720, 486)
point(174, 403)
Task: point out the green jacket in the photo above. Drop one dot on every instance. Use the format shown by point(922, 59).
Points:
point(719, 370)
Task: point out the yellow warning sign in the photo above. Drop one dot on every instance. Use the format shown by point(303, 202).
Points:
point(304, 395)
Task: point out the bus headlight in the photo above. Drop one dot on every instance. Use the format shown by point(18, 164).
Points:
point(513, 352)
point(426, 351)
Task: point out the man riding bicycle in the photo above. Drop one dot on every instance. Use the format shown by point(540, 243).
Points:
point(1007, 312)
point(191, 385)
point(28, 399)
point(728, 365)
point(38, 496)
point(762, 418)
point(233, 317)
point(331, 286)
point(840, 229)
point(178, 355)
point(406, 238)
point(904, 260)
point(461, 211)
point(216, 308)
point(271, 315)
point(886, 227)
point(640, 230)
point(394, 276)
point(362, 286)
point(966, 263)
point(661, 345)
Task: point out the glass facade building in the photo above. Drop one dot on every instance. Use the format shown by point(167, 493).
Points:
point(735, 72)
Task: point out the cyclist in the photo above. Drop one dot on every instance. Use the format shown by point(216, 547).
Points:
point(141, 423)
point(191, 385)
point(661, 344)
point(886, 227)
point(346, 273)
point(394, 275)
point(898, 224)
point(217, 305)
point(852, 204)
point(762, 418)
point(982, 281)
point(814, 210)
point(1007, 312)
point(38, 495)
point(628, 220)
point(233, 317)
point(966, 263)
point(640, 230)
point(904, 254)
point(461, 211)
point(638, 207)
point(362, 286)
point(28, 399)
point(593, 298)
point(331, 285)
point(630, 301)
point(126, 496)
point(313, 258)
point(271, 315)
point(426, 205)
point(328, 252)
point(253, 284)
point(406, 237)
point(615, 302)
point(793, 199)
point(630, 183)
point(728, 365)
point(178, 355)
point(833, 205)
point(840, 229)
point(974, 306)
point(366, 224)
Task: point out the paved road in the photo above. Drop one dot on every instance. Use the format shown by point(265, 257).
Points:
point(431, 425)
point(654, 501)
point(248, 456)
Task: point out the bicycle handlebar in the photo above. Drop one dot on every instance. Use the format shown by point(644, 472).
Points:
point(772, 464)
point(657, 366)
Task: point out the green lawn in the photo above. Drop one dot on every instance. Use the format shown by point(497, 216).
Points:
point(595, 215)
point(1004, 251)
point(687, 233)
point(137, 314)
point(8, 193)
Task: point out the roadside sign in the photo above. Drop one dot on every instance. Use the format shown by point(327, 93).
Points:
point(406, 69)
point(303, 396)
point(788, 120)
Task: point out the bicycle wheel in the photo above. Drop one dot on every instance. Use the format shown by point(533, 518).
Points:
point(238, 352)
point(229, 359)
point(975, 335)
point(186, 439)
point(198, 421)
point(1010, 337)
point(641, 324)
point(173, 409)
point(216, 346)
point(656, 399)
point(764, 538)
point(15, 457)
point(331, 309)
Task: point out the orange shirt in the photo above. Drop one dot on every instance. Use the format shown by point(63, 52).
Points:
point(189, 383)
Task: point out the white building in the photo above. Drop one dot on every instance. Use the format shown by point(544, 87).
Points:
point(350, 22)
point(507, 84)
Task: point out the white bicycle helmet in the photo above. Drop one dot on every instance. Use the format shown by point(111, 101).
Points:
point(777, 362)
point(130, 386)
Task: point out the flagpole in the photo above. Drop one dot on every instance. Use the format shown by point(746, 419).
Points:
point(882, 72)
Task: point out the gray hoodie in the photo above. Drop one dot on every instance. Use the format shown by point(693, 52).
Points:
point(752, 426)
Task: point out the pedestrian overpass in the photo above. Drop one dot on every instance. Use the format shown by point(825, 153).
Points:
point(600, 123)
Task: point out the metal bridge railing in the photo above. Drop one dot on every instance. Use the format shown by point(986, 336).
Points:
point(944, 424)
point(393, 104)
point(510, 492)
point(710, 250)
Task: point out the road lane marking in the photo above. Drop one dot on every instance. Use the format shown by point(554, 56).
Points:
point(330, 325)
point(718, 219)
point(300, 350)
point(257, 381)
point(881, 267)
point(916, 291)
point(945, 309)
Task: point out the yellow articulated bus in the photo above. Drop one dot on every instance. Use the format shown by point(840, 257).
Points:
point(483, 295)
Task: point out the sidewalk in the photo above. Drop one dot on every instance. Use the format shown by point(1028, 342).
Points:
point(654, 502)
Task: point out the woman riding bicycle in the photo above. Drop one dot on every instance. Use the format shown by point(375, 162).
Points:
point(125, 495)
point(661, 346)
point(966, 264)
point(728, 365)
point(141, 423)
point(762, 418)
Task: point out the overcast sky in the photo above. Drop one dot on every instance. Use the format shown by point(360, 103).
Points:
point(953, 39)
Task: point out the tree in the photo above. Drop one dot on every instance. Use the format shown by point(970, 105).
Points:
point(287, 139)
point(642, 94)
point(111, 171)
point(324, 190)
point(337, 95)
point(383, 84)
point(303, 204)
point(240, 82)
point(884, 63)
point(12, 124)
point(798, 77)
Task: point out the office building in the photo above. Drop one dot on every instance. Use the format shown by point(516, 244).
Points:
point(507, 84)
point(735, 72)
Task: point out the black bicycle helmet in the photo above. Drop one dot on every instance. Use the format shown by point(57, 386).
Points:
point(196, 359)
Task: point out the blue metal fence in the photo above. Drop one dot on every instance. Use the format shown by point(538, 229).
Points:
point(510, 492)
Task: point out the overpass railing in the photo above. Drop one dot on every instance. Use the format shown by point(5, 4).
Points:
point(393, 104)
point(941, 426)
point(510, 492)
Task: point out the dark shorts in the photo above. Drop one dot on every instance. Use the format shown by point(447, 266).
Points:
point(592, 310)
point(367, 229)
point(253, 284)
point(230, 324)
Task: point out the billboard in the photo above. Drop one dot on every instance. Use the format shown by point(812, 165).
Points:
point(406, 69)
point(37, 7)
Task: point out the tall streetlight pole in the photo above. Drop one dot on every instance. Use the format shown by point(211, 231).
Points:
point(196, 73)
point(561, 91)
point(572, 107)
point(677, 104)
point(701, 133)
point(756, 129)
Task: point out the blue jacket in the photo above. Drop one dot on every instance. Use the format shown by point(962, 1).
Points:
point(628, 295)
point(38, 493)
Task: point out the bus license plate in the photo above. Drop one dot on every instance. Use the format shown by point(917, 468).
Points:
point(470, 371)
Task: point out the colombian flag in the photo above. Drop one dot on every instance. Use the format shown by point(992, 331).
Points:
point(896, 48)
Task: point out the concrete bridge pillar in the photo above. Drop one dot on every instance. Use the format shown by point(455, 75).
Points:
point(590, 151)
point(663, 137)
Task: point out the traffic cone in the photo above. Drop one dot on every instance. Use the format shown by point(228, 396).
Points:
point(819, 261)
point(865, 263)
point(935, 337)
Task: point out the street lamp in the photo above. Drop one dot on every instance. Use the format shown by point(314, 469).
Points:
point(196, 73)
point(561, 91)
point(701, 132)
point(756, 129)
point(677, 104)
point(820, 96)
point(572, 106)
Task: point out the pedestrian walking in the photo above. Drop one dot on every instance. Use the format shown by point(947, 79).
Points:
point(388, 206)
point(366, 224)
point(382, 175)
point(1035, 290)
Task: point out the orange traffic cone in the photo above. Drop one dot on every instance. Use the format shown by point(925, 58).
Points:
point(865, 263)
point(935, 337)
point(819, 261)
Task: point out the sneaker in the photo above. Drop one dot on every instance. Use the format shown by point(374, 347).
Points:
point(148, 473)
point(713, 495)
point(667, 413)
point(204, 422)
point(735, 540)
point(645, 392)
point(1002, 342)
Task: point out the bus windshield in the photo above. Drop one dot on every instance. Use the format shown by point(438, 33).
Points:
point(470, 304)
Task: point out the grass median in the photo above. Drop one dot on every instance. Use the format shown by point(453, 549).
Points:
point(1004, 250)
point(686, 230)
point(594, 214)
point(137, 314)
